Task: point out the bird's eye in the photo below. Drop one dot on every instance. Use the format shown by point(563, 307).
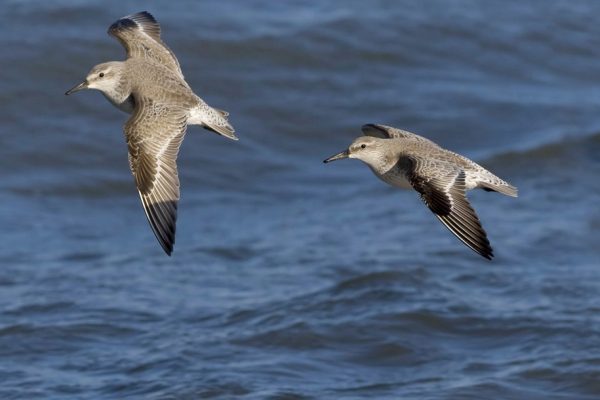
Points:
point(362, 146)
point(101, 75)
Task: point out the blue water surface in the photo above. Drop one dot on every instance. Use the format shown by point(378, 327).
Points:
point(291, 279)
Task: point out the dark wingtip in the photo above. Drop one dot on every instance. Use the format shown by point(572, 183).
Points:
point(167, 239)
point(484, 249)
point(131, 21)
point(375, 131)
point(167, 245)
point(143, 17)
point(123, 23)
point(162, 217)
point(144, 14)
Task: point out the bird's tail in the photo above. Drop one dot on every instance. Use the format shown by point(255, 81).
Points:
point(222, 127)
point(212, 119)
point(501, 187)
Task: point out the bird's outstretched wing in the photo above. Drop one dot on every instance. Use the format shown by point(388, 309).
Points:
point(442, 188)
point(140, 35)
point(154, 133)
point(388, 132)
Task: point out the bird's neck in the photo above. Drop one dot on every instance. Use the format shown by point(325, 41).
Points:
point(120, 94)
point(381, 162)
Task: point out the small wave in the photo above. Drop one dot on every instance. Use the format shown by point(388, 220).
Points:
point(43, 308)
point(548, 150)
point(381, 278)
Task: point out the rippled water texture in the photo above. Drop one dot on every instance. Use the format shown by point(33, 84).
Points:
point(291, 279)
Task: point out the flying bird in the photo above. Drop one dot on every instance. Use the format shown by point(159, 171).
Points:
point(150, 86)
point(441, 177)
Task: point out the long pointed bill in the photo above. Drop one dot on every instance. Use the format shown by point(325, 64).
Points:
point(81, 86)
point(338, 156)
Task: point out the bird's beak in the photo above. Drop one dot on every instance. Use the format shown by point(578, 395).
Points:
point(338, 156)
point(77, 88)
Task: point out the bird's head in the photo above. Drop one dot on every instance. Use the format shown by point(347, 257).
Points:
point(104, 77)
point(365, 148)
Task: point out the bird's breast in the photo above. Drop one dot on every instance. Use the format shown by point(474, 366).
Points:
point(126, 105)
point(394, 178)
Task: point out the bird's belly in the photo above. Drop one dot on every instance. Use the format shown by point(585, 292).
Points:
point(196, 116)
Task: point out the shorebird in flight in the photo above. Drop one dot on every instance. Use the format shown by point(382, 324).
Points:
point(150, 86)
point(442, 178)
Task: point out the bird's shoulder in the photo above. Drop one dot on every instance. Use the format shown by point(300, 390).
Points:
point(424, 161)
point(408, 146)
point(150, 69)
point(150, 79)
